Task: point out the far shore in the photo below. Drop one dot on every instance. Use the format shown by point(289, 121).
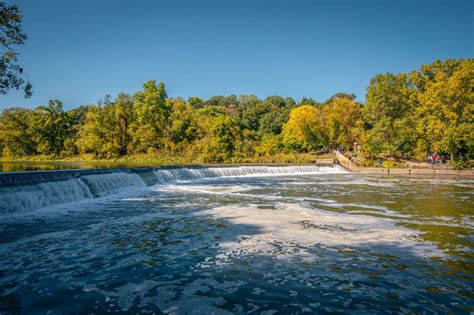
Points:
point(421, 169)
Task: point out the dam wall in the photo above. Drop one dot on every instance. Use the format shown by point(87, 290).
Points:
point(28, 191)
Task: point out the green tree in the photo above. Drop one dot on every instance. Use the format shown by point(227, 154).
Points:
point(269, 145)
point(50, 127)
point(152, 115)
point(105, 132)
point(77, 118)
point(252, 110)
point(123, 119)
point(309, 101)
point(348, 96)
point(221, 144)
point(388, 112)
point(11, 73)
point(15, 134)
point(278, 110)
point(183, 127)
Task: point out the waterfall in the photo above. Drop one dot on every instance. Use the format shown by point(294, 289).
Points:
point(176, 174)
point(27, 191)
point(31, 197)
point(106, 184)
point(26, 198)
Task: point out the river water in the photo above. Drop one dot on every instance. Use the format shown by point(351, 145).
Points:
point(308, 241)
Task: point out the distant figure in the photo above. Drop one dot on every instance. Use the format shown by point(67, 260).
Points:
point(379, 163)
point(430, 159)
point(436, 158)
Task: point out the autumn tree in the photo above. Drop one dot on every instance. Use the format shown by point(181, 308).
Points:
point(304, 130)
point(446, 107)
point(343, 122)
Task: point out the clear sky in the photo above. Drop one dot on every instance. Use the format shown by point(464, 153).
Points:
point(78, 51)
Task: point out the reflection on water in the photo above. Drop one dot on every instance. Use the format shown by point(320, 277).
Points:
point(51, 166)
point(293, 244)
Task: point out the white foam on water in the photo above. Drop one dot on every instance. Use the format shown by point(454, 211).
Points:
point(243, 191)
point(213, 189)
point(293, 224)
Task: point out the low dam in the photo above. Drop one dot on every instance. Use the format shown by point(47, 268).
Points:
point(26, 191)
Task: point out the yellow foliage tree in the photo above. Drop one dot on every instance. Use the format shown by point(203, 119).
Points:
point(343, 120)
point(446, 106)
point(304, 129)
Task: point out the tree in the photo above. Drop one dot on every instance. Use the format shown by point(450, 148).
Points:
point(221, 144)
point(123, 119)
point(304, 130)
point(251, 111)
point(388, 112)
point(183, 127)
point(11, 73)
point(50, 127)
point(343, 121)
point(152, 115)
point(106, 129)
point(446, 111)
point(348, 96)
point(195, 101)
point(278, 110)
point(15, 134)
point(77, 118)
point(309, 101)
point(269, 145)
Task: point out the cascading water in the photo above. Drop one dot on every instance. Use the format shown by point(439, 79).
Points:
point(103, 185)
point(30, 197)
point(24, 198)
point(170, 175)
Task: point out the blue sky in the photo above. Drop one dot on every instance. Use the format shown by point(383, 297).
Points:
point(80, 50)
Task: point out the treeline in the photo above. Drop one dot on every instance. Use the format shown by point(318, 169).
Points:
point(407, 114)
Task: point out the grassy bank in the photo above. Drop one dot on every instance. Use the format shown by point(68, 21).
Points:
point(157, 159)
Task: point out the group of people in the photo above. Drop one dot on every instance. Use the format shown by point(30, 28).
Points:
point(435, 159)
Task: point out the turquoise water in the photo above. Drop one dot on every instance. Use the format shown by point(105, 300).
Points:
point(308, 243)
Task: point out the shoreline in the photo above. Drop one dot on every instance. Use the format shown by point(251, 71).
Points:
point(354, 168)
point(136, 166)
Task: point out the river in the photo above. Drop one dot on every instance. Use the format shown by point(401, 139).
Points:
point(238, 240)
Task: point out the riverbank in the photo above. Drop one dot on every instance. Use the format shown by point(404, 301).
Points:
point(46, 163)
point(163, 159)
point(426, 171)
